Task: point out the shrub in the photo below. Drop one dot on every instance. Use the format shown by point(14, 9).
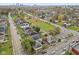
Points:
point(37, 29)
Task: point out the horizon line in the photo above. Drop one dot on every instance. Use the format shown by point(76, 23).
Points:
point(39, 4)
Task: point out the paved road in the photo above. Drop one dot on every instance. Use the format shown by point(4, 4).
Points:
point(17, 47)
point(59, 47)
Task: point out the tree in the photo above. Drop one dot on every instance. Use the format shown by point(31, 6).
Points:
point(0, 47)
point(59, 40)
point(44, 46)
point(50, 20)
point(52, 32)
point(28, 43)
point(65, 18)
point(55, 17)
point(37, 29)
point(32, 42)
point(60, 18)
point(57, 30)
point(73, 22)
point(77, 22)
point(27, 46)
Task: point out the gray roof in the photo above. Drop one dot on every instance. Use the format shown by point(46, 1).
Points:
point(37, 44)
point(36, 36)
point(27, 32)
point(2, 28)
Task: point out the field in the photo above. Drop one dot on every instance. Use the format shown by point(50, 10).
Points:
point(74, 28)
point(43, 26)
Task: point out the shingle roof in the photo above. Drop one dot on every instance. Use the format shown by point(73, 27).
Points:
point(36, 36)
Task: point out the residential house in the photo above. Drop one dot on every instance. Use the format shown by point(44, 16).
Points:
point(27, 31)
point(50, 39)
point(2, 37)
point(24, 25)
point(35, 36)
point(37, 47)
point(2, 28)
point(55, 21)
point(2, 33)
point(18, 21)
point(37, 44)
point(67, 24)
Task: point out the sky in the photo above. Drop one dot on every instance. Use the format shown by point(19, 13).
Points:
point(39, 2)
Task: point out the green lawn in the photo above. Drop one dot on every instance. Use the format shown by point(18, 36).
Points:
point(60, 23)
point(44, 26)
point(6, 48)
point(74, 28)
point(14, 17)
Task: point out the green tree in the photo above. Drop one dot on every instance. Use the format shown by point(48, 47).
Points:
point(60, 18)
point(57, 30)
point(0, 47)
point(50, 20)
point(28, 43)
point(37, 29)
point(55, 17)
point(59, 40)
point(27, 46)
point(52, 32)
